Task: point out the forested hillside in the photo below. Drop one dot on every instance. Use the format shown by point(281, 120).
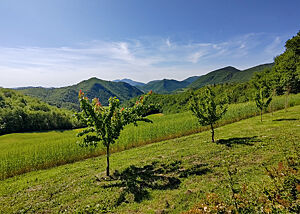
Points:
point(228, 75)
point(19, 113)
point(224, 75)
point(179, 102)
point(164, 86)
point(67, 97)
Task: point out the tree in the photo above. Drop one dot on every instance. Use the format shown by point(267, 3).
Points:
point(264, 84)
point(262, 99)
point(207, 109)
point(287, 68)
point(104, 124)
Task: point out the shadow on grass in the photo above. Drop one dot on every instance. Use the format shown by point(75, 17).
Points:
point(136, 181)
point(239, 140)
point(286, 119)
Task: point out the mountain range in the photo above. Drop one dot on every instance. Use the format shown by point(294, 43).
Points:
point(130, 82)
point(125, 89)
point(67, 97)
point(224, 75)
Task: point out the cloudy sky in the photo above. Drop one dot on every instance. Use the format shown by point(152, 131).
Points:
point(56, 43)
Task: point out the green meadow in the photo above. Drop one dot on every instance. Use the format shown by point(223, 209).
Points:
point(171, 176)
point(24, 152)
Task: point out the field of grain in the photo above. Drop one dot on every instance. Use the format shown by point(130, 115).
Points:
point(24, 152)
point(171, 176)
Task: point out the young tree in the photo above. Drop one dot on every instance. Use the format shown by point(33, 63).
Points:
point(263, 84)
point(104, 124)
point(262, 99)
point(207, 109)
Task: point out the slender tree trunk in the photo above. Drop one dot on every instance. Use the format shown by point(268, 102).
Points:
point(261, 115)
point(107, 159)
point(286, 97)
point(212, 133)
point(271, 104)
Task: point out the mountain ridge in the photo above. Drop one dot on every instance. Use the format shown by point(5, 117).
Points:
point(228, 74)
point(66, 97)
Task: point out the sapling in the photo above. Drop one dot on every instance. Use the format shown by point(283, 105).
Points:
point(207, 109)
point(262, 100)
point(104, 124)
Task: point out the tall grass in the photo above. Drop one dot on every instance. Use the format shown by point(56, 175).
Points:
point(24, 152)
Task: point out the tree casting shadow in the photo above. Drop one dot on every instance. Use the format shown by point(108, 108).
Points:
point(240, 140)
point(286, 119)
point(136, 181)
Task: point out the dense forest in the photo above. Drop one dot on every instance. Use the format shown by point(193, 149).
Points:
point(19, 113)
point(67, 97)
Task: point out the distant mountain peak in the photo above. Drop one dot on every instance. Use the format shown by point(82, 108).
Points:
point(93, 87)
point(130, 82)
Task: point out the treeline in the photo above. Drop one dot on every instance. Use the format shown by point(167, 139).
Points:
point(20, 113)
point(282, 78)
point(175, 103)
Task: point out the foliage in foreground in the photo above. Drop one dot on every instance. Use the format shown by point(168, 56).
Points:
point(281, 196)
point(208, 110)
point(184, 170)
point(104, 124)
point(262, 100)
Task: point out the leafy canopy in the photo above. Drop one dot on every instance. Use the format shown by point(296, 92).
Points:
point(262, 98)
point(287, 66)
point(106, 123)
point(206, 108)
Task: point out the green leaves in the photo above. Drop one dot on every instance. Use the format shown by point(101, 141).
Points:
point(286, 68)
point(107, 122)
point(206, 108)
point(262, 98)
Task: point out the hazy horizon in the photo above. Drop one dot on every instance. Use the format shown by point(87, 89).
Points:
point(59, 43)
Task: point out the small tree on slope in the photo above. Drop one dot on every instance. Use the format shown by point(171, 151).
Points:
point(262, 100)
point(104, 124)
point(207, 109)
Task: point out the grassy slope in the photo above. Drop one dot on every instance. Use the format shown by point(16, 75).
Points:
point(73, 187)
point(23, 152)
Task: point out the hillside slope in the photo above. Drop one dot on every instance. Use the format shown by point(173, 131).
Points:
point(169, 176)
point(164, 86)
point(130, 82)
point(227, 75)
point(224, 75)
point(67, 97)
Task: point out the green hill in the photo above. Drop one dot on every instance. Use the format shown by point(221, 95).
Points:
point(164, 86)
point(130, 82)
point(67, 97)
point(228, 75)
point(224, 75)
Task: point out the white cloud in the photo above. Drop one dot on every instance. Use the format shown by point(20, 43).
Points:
point(142, 60)
point(168, 43)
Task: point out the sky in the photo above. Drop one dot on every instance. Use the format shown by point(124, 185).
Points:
point(55, 43)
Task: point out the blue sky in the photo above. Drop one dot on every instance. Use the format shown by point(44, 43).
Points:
point(62, 42)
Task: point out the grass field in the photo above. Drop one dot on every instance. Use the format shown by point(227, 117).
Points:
point(24, 152)
point(166, 177)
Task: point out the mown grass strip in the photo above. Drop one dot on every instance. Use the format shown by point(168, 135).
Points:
point(75, 188)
